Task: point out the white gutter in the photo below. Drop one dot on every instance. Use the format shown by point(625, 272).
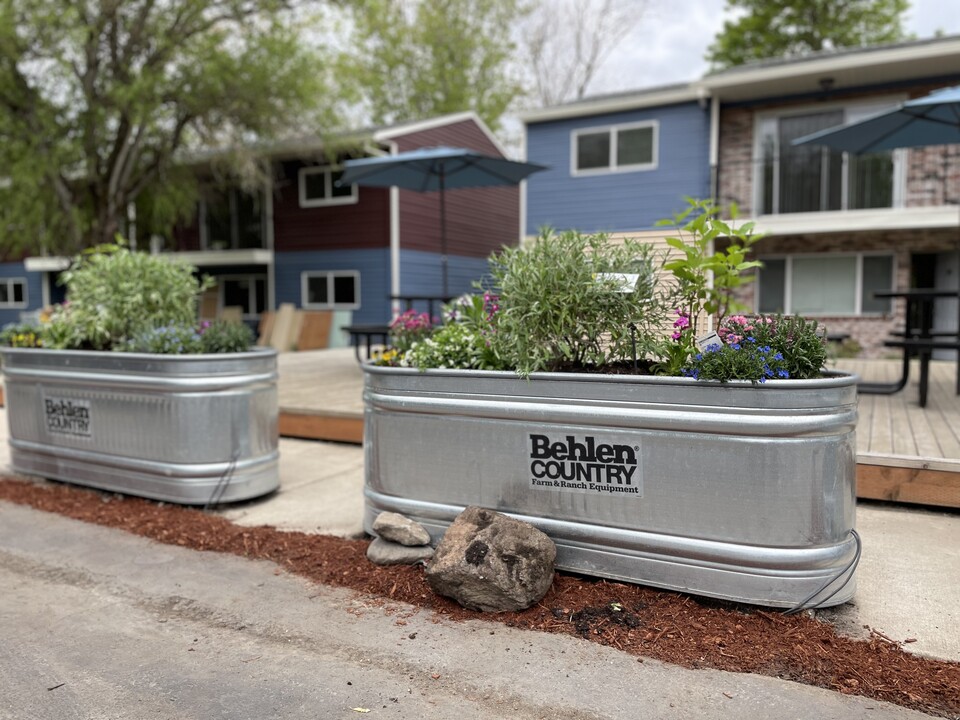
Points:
point(853, 60)
point(714, 132)
point(673, 96)
point(272, 266)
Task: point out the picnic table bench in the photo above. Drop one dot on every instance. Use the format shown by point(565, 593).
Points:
point(917, 340)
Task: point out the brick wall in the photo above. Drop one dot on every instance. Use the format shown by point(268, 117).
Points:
point(933, 173)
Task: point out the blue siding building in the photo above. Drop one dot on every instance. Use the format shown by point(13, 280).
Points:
point(617, 163)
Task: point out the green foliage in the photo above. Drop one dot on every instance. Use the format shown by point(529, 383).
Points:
point(421, 59)
point(166, 340)
point(114, 296)
point(791, 28)
point(408, 328)
point(21, 335)
point(463, 341)
point(707, 277)
point(762, 348)
point(98, 98)
point(454, 345)
point(225, 337)
point(561, 309)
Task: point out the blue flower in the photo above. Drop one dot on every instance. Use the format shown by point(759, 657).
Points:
point(783, 373)
point(752, 340)
point(735, 346)
point(778, 356)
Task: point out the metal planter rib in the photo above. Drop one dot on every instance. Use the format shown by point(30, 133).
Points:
point(190, 429)
point(731, 490)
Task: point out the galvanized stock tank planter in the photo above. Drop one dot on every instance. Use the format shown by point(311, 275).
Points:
point(731, 490)
point(191, 429)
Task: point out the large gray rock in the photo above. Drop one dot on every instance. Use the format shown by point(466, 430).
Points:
point(491, 562)
point(399, 529)
point(384, 552)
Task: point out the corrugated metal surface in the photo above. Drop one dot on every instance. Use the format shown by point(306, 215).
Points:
point(621, 200)
point(184, 428)
point(730, 490)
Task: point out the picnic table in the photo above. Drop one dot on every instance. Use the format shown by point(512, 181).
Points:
point(917, 339)
point(378, 334)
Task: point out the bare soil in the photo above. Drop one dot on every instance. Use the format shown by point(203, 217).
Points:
point(648, 623)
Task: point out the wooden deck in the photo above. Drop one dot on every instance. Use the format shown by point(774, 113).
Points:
point(905, 453)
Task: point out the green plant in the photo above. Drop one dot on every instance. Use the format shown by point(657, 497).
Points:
point(115, 295)
point(22, 335)
point(570, 301)
point(453, 345)
point(408, 328)
point(225, 337)
point(707, 277)
point(167, 340)
point(761, 348)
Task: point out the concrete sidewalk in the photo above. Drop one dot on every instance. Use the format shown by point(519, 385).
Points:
point(908, 576)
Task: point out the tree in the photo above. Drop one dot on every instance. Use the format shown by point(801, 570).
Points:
point(100, 99)
point(414, 59)
point(790, 28)
point(567, 41)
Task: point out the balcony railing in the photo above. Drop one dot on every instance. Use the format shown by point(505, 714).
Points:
point(807, 180)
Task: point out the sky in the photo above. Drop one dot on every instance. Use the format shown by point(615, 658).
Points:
point(669, 43)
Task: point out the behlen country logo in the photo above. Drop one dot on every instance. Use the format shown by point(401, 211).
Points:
point(583, 464)
point(67, 416)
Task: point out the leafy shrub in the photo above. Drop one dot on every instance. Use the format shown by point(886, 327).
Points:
point(760, 349)
point(454, 345)
point(21, 335)
point(408, 328)
point(225, 337)
point(167, 340)
point(115, 295)
point(216, 337)
point(563, 305)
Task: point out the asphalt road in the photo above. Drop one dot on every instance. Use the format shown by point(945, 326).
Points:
point(98, 624)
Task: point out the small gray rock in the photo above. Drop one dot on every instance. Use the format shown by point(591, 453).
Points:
point(399, 529)
point(491, 562)
point(384, 552)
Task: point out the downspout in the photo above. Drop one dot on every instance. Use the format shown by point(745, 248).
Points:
point(523, 193)
point(272, 263)
point(394, 239)
point(714, 159)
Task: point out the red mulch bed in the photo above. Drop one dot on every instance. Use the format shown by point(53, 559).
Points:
point(667, 626)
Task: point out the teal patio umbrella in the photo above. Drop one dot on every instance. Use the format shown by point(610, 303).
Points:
point(931, 120)
point(437, 169)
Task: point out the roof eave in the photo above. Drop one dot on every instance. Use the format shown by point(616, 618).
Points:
point(615, 104)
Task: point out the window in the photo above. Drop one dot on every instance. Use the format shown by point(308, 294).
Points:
point(811, 178)
point(318, 187)
point(619, 148)
point(13, 293)
point(232, 220)
point(334, 290)
point(825, 284)
point(248, 292)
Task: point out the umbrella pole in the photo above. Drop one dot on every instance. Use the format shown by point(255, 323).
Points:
point(443, 236)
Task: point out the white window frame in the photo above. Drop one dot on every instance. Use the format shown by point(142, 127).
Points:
point(327, 171)
point(252, 298)
point(858, 281)
point(860, 109)
point(10, 282)
point(614, 131)
point(305, 278)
